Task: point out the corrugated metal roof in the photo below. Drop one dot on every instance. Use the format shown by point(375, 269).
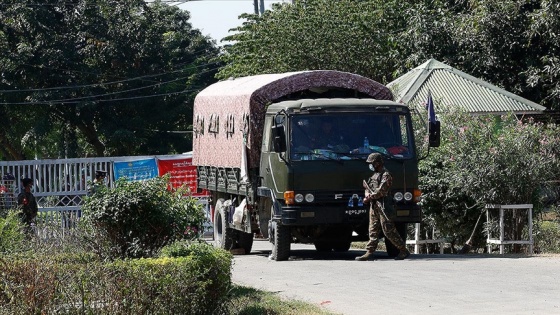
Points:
point(451, 87)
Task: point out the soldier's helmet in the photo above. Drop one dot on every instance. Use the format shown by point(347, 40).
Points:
point(374, 157)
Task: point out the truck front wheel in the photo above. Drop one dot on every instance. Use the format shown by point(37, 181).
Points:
point(223, 235)
point(280, 242)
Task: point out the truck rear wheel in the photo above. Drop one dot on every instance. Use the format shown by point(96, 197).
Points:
point(280, 242)
point(223, 235)
point(392, 250)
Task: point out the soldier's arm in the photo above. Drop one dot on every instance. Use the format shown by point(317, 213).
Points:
point(384, 186)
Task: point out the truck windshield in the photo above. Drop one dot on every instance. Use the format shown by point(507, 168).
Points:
point(345, 136)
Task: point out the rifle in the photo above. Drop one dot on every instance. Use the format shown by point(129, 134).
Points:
point(366, 186)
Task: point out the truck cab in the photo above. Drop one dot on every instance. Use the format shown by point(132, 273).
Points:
point(313, 163)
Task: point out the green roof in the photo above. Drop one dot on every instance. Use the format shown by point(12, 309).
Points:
point(451, 87)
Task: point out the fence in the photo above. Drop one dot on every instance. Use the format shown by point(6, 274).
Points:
point(60, 185)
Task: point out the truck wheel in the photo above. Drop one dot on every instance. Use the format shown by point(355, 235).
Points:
point(342, 246)
point(246, 241)
point(223, 235)
point(322, 246)
point(392, 251)
point(281, 242)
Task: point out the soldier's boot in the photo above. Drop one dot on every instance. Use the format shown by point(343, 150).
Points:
point(404, 253)
point(366, 256)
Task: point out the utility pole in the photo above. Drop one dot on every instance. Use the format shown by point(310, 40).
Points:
point(256, 5)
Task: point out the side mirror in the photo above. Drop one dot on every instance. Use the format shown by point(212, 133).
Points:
point(279, 138)
point(434, 134)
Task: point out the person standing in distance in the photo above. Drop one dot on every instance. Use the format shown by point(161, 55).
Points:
point(379, 185)
point(98, 182)
point(27, 203)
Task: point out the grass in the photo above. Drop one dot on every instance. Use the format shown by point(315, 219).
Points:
point(250, 301)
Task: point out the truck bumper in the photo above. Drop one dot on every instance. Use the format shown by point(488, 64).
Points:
point(301, 216)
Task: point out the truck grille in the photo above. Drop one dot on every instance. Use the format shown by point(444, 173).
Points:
point(332, 197)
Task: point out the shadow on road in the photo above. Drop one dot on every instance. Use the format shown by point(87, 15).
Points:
point(302, 254)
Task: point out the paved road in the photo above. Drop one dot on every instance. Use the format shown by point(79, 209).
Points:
point(423, 284)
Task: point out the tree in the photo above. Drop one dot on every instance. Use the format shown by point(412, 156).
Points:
point(104, 77)
point(512, 44)
point(354, 36)
point(486, 160)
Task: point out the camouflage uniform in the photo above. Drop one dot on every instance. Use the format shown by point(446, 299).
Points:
point(380, 183)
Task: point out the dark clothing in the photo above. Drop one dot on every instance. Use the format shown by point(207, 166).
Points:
point(380, 183)
point(28, 205)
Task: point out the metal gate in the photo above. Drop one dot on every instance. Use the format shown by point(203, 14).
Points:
point(58, 185)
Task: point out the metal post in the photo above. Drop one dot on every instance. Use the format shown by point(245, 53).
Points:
point(417, 238)
point(262, 7)
point(531, 230)
point(256, 5)
point(488, 237)
point(501, 230)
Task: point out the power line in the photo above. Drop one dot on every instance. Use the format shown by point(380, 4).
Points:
point(81, 99)
point(105, 83)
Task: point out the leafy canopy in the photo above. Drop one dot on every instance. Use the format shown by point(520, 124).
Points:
point(104, 77)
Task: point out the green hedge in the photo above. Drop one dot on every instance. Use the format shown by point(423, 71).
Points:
point(71, 284)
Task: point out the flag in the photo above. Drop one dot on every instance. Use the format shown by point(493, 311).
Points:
point(431, 111)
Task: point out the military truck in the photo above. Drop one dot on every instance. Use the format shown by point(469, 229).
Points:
point(283, 156)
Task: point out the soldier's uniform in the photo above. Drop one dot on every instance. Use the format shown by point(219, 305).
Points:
point(380, 184)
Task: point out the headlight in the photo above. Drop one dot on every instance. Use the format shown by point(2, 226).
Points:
point(398, 196)
point(407, 196)
point(309, 198)
point(299, 198)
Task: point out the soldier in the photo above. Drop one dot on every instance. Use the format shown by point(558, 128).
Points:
point(380, 184)
point(27, 202)
point(98, 182)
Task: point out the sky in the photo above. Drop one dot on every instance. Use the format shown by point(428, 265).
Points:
point(216, 17)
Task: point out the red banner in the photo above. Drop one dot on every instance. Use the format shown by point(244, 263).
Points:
point(182, 172)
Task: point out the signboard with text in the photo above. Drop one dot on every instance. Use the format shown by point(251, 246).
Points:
point(181, 172)
point(136, 170)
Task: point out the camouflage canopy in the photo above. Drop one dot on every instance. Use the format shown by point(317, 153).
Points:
point(230, 112)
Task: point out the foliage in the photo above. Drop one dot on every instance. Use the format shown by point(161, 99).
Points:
point(48, 284)
point(547, 237)
point(513, 44)
point(98, 77)
point(136, 219)
point(486, 160)
point(184, 248)
point(249, 301)
point(12, 238)
point(354, 36)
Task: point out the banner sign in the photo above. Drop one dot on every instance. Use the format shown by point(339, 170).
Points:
point(136, 170)
point(181, 172)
